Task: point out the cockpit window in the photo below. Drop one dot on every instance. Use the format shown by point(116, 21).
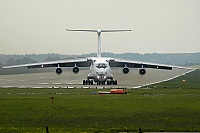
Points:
point(101, 65)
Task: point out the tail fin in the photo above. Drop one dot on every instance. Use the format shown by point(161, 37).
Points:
point(99, 37)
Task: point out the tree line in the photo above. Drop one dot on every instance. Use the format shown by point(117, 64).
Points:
point(183, 59)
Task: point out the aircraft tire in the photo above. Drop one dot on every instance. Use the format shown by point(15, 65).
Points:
point(90, 82)
point(108, 82)
point(87, 82)
point(115, 82)
point(112, 82)
point(83, 82)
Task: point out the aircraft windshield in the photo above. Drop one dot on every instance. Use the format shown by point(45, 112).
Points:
point(101, 65)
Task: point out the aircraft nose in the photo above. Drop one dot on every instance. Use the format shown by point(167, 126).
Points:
point(101, 73)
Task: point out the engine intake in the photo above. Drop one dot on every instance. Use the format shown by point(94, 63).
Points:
point(58, 71)
point(142, 71)
point(75, 70)
point(125, 70)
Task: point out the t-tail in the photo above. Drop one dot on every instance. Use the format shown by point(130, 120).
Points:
point(99, 37)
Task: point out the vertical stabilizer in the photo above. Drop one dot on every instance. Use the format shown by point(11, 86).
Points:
point(99, 44)
point(99, 37)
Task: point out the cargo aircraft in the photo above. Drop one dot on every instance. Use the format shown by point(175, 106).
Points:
point(100, 67)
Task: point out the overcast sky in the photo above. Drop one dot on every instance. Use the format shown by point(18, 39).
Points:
point(158, 26)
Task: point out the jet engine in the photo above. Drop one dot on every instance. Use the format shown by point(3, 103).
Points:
point(75, 70)
point(125, 70)
point(58, 71)
point(142, 71)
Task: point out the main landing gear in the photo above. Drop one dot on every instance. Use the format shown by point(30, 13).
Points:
point(87, 82)
point(112, 82)
point(109, 82)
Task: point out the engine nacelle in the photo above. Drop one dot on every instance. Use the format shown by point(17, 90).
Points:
point(75, 70)
point(142, 71)
point(125, 70)
point(58, 71)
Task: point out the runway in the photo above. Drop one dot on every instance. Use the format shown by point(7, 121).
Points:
point(70, 80)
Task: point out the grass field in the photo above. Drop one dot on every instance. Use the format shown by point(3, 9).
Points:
point(168, 106)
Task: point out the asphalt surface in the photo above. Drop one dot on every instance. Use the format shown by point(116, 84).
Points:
point(70, 80)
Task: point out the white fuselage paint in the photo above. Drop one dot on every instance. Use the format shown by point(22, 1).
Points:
point(100, 69)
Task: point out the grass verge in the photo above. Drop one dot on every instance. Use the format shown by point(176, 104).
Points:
point(170, 106)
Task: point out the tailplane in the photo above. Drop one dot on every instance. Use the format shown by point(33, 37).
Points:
point(99, 37)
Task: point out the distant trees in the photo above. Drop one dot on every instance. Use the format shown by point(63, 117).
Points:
point(52, 58)
point(10, 62)
point(166, 58)
point(25, 60)
point(1, 64)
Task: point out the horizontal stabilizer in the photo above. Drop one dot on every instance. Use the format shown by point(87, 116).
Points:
point(114, 30)
point(83, 30)
point(99, 30)
point(99, 37)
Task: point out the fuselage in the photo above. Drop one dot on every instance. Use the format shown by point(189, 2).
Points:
point(100, 69)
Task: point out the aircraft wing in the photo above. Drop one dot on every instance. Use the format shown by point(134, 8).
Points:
point(83, 62)
point(139, 64)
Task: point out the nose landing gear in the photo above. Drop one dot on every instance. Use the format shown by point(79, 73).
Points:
point(108, 82)
point(101, 82)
